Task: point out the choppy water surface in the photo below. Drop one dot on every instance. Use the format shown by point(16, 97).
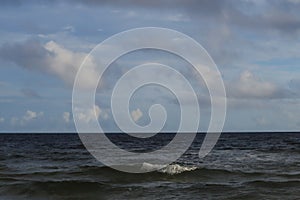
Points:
point(241, 166)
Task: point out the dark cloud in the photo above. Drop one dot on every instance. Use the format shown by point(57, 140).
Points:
point(276, 15)
point(203, 6)
point(294, 85)
point(27, 92)
point(50, 57)
point(280, 17)
point(30, 54)
point(256, 15)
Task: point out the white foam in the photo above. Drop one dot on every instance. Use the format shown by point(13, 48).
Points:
point(176, 169)
point(151, 167)
point(168, 169)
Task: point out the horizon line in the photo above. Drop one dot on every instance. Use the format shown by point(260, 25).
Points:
point(165, 132)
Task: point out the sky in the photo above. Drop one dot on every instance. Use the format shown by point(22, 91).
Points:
point(254, 43)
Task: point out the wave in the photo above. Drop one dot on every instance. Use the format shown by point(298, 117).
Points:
point(168, 169)
point(171, 169)
point(172, 172)
point(274, 184)
point(69, 189)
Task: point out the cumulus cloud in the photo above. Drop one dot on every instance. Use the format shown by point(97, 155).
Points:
point(136, 114)
point(66, 117)
point(31, 115)
point(30, 54)
point(69, 28)
point(65, 64)
point(52, 58)
point(250, 86)
point(88, 115)
point(27, 117)
point(236, 33)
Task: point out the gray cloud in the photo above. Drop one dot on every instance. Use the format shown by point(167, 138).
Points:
point(30, 93)
point(294, 85)
point(274, 14)
point(30, 54)
point(256, 15)
point(50, 57)
point(248, 86)
point(231, 31)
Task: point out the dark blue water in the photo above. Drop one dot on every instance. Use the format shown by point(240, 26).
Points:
point(241, 166)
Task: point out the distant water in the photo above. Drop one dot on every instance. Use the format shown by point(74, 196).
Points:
point(241, 166)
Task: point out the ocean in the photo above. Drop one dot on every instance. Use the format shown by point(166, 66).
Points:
point(241, 166)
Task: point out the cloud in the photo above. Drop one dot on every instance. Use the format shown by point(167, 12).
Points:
point(30, 93)
point(250, 86)
point(88, 115)
point(31, 115)
point(251, 14)
point(65, 63)
point(136, 114)
point(69, 28)
point(30, 54)
point(52, 58)
point(295, 84)
point(2, 119)
point(27, 117)
point(66, 117)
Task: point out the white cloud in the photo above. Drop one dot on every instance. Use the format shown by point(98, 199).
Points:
point(65, 64)
point(66, 117)
point(249, 86)
point(2, 119)
point(177, 18)
point(104, 115)
point(136, 114)
point(88, 115)
point(52, 58)
point(30, 115)
point(69, 28)
point(27, 117)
